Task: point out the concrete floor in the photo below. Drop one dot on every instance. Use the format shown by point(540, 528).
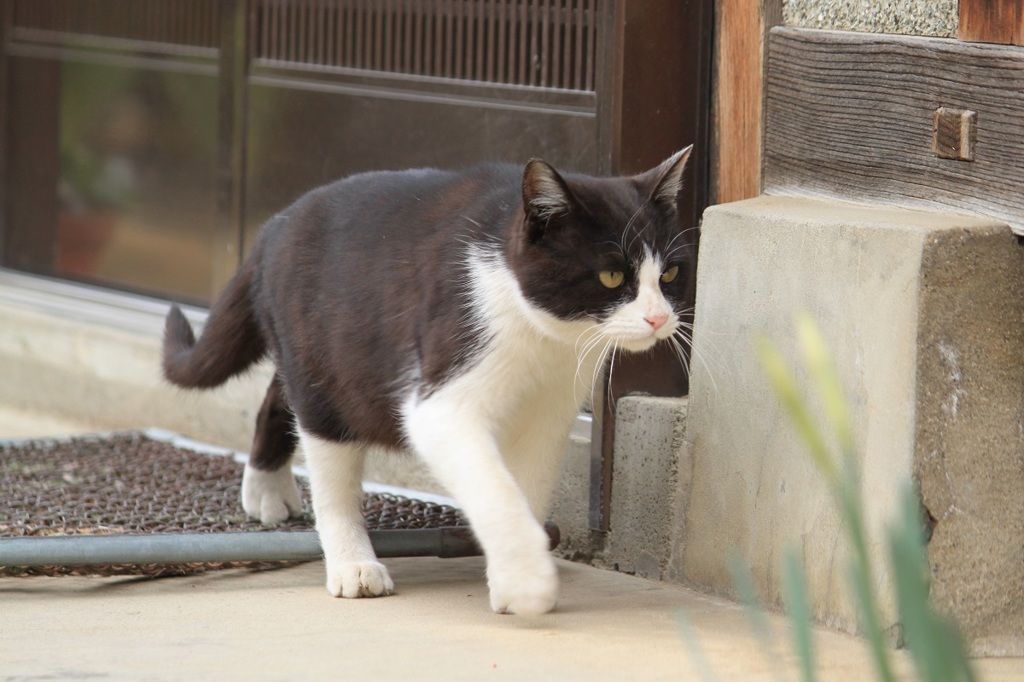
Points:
point(282, 625)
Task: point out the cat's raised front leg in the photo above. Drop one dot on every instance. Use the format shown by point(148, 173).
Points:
point(269, 492)
point(460, 452)
point(336, 477)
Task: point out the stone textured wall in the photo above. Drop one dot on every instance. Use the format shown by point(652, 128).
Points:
point(936, 18)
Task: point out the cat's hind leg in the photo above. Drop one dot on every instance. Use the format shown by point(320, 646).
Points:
point(269, 492)
point(336, 478)
point(534, 447)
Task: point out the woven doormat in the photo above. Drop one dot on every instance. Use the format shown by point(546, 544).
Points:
point(134, 483)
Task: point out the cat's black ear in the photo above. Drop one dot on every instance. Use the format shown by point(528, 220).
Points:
point(667, 179)
point(545, 193)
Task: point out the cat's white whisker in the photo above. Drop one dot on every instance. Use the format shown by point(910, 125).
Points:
point(679, 350)
point(625, 231)
point(581, 357)
point(672, 241)
point(697, 354)
point(598, 366)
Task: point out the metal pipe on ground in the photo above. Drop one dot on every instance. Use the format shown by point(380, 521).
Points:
point(175, 548)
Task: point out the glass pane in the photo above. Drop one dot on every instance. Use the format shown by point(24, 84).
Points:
point(135, 173)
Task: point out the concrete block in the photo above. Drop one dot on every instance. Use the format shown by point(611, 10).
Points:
point(645, 484)
point(570, 504)
point(925, 317)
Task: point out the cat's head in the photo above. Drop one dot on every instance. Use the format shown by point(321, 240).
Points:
point(610, 254)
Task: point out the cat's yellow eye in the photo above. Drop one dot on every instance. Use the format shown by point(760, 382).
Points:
point(670, 274)
point(612, 279)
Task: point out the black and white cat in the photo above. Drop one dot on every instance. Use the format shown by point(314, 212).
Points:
point(464, 316)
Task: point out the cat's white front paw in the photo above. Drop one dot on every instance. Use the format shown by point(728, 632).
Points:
point(355, 579)
point(527, 588)
point(270, 496)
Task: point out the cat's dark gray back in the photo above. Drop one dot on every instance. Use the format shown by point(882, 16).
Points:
point(362, 288)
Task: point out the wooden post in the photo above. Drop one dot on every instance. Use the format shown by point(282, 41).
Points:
point(992, 21)
point(741, 27)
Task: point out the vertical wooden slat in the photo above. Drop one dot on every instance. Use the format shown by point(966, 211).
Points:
point(316, 32)
point(740, 43)
point(544, 25)
point(992, 21)
point(502, 20)
point(332, 41)
point(540, 25)
point(284, 38)
point(522, 44)
point(306, 47)
point(397, 32)
point(533, 47)
point(458, 38)
point(569, 68)
point(358, 17)
point(176, 33)
point(349, 45)
point(465, 40)
point(408, 37)
point(263, 28)
point(556, 44)
point(386, 40)
point(376, 37)
point(581, 23)
point(280, 37)
point(179, 24)
point(214, 24)
point(303, 39)
point(436, 59)
point(419, 30)
point(447, 41)
point(480, 44)
point(591, 19)
point(425, 53)
point(275, 30)
point(395, 35)
point(491, 40)
point(516, 41)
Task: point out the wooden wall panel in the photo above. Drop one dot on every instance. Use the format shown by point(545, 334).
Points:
point(854, 116)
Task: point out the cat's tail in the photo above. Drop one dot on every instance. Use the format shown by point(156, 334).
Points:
point(230, 343)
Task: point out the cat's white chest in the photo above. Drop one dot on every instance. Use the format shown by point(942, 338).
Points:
point(531, 361)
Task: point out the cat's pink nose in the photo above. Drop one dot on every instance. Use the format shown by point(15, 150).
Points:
point(656, 320)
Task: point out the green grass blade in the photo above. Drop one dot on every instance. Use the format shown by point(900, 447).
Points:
point(743, 582)
point(786, 388)
point(699, 660)
point(934, 643)
point(795, 594)
point(937, 649)
point(864, 596)
point(819, 362)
